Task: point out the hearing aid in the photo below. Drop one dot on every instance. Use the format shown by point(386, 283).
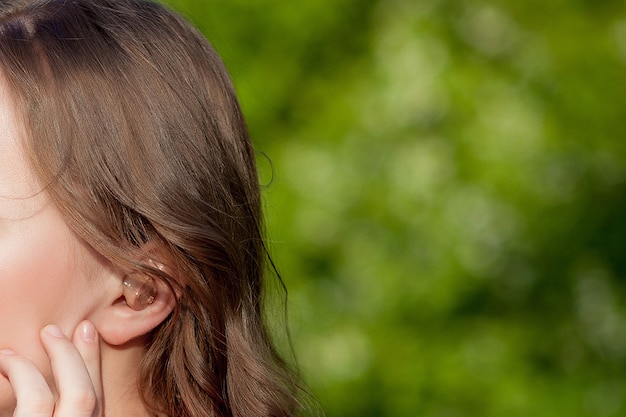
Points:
point(139, 291)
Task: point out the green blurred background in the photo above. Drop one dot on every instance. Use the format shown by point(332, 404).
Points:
point(448, 207)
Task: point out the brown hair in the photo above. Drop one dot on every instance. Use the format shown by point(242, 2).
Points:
point(134, 127)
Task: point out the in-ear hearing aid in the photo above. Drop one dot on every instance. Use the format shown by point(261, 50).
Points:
point(139, 291)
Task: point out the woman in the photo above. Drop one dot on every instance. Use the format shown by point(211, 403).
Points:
point(131, 251)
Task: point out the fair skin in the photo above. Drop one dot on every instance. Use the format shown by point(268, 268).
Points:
point(69, 343)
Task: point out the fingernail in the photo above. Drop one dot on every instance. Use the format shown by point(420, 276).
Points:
point(6, 352)
point(53, 330)
point(88, 332)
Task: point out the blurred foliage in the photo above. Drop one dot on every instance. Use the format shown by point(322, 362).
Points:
point(449, 201)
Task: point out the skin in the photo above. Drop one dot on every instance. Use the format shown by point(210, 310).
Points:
point(50, 282)
point(76, 367)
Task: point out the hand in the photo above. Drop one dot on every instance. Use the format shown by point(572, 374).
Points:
point(76, 369)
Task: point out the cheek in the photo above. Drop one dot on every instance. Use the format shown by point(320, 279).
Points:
point(36, 270)
point(29, 284)
point(39, 281)
point(31, 266)
point(43, 279)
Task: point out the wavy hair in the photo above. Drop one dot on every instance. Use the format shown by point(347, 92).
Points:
point(133, 125)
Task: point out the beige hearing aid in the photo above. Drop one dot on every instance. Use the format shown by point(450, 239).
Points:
point(139, 291)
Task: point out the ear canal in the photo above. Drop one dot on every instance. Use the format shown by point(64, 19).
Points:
point(139, 291)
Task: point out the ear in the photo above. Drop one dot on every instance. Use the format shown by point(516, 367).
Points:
point(125, 315)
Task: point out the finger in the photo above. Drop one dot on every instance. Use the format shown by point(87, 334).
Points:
point(75, 391)
point(87, 343)
point(34, 398)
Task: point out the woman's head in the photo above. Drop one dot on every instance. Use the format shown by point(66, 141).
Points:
point(47, 273)
point(132, 128)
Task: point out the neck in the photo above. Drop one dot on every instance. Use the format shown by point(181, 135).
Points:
point(120, 372)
